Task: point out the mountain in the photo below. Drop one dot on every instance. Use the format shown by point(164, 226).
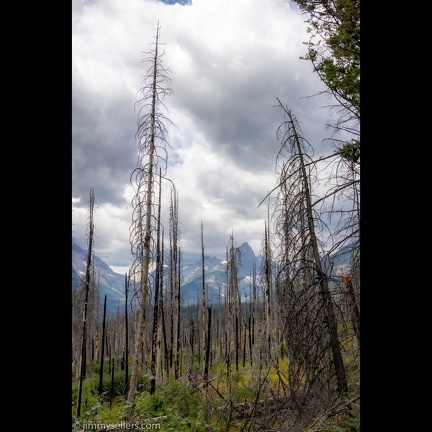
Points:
point(215, 271)
point(111, 284)
point(341, 261)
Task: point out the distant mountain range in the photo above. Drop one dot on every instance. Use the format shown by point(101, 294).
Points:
point(112, 284)
point(215, 272)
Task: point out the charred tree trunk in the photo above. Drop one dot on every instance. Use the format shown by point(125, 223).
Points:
point(112, 384)
point(126, 337)
point(159, 267)
point(178, 329)
point(267, 273)
point(352, 305)
point(101, 372)
point(202, 342)
point(207, 350)
point(87, 289)
point(160, 325)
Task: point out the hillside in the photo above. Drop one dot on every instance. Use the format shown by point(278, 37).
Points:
point(111, 284)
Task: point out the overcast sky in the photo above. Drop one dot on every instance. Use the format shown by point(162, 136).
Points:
point(229, 60)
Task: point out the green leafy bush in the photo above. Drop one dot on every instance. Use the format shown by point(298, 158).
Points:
point(175, 394)
point(91, 386)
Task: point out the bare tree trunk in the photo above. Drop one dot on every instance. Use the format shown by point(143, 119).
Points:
point(165, 337)
point(267, 274)
point(202, 341)
point(352, 305)
point(178, 338)
point(175, 285)
point(160, 324)
point(171, 306)
point(112, 384)
point(96, 307)
point(159, 268)
point(101, 372)
point(150, 130)
point(207, 350)
point(227, 326)
point(126, 336)
point(87, 289)
point(244, 344)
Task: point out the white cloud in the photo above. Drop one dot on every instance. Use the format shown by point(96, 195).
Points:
point(228, 61)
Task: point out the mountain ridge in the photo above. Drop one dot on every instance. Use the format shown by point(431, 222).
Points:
point(112, 284)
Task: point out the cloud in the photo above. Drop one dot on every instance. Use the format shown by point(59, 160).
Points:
point(228, 62)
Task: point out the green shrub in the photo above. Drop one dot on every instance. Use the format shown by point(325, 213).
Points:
point(176, 394)
point(91, 386)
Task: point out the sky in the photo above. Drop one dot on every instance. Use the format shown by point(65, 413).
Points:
point(229, 61)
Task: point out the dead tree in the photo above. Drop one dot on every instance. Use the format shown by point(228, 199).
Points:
point(208, 349)
point(160, 322)
point(126, 350)
point(102, 359)
point(352, 304)
point(152, 154)
point(174, 285)
point(234, 302)
point(311, 327)
point(156, 312)
point(86, 298)
point(202, 341)
point(266, 277)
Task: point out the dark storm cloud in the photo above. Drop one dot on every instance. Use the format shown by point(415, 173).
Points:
point(103, 146)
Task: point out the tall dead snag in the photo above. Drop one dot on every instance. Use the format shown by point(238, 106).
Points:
point(227, 320)
point(86, 299)
point(160, 323)
point(102, 359)
point(164, 325)
point(253, 307)
point(207, 349)
point(178, 329)
point(352, 304)
point(159, 268)
point(266, 277)
point(152, 155)
point(126, 349)
point(205, 316)
point(234, 302)
point(202, 341)
point(313, 342)
point(93, 316)
point(174, 284)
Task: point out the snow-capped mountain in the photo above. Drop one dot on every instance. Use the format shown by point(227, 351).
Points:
point(215, 273)
point(113, 284)
point(110, 283)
